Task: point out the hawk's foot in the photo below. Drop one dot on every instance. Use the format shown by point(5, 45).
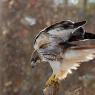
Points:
point(52, 81)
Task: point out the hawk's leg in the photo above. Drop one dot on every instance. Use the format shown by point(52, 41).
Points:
point(52, 86)
point(52, 81)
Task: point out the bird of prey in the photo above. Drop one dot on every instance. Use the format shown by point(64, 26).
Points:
point(65, 45)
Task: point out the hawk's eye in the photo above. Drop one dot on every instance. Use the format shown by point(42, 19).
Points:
point(43, 46)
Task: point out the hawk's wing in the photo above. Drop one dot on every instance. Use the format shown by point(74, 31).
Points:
point(63, 60)
point(54, 33)
point(84, 51)
point(56, 36)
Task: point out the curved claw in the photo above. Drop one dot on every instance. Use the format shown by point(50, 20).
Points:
point(53, 80)
point(52, 86)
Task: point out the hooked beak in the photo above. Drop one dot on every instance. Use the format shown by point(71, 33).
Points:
point(35, 58)
point(78, 24)
point(33, 64)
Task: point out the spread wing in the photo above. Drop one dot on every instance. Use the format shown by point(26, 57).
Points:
point(83, 51)
point(63, 59)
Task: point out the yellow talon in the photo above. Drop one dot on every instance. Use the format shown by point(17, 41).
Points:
point(52, 81)
point(52, 86)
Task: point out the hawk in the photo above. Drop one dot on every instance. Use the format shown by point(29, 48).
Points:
point(64, 45)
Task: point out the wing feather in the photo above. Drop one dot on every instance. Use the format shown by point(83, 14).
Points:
point(72, 60)
point(82, 51)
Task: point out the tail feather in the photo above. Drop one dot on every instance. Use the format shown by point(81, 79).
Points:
point(89, 36)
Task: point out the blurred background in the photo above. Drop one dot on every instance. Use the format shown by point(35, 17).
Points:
point(20, 21)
